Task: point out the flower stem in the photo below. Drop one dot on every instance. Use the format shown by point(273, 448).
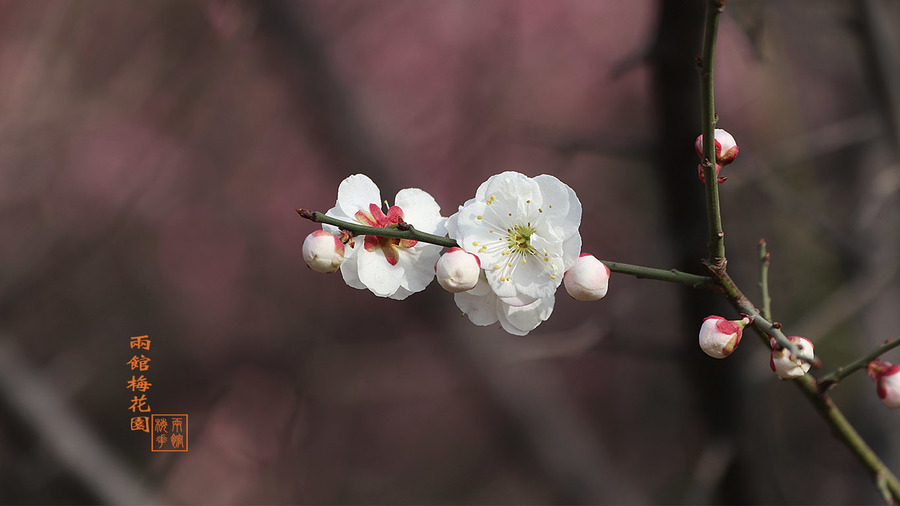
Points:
point(403, 231)
point(832, 379)
point(708, 121)
point(673, 276)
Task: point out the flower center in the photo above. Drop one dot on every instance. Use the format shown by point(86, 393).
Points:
point(518, 239)
point(390, 246)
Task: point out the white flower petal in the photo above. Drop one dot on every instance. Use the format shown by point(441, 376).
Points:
point(418, 266)
point(356, 193)
point(380, 277)
point(481, 309)
point(571, 251)
point(561, 205)
point(521, 320)
point(421, 210)
point(401, 294)
point(350, 269)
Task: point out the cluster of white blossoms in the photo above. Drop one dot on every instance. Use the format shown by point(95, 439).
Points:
point(517, 240)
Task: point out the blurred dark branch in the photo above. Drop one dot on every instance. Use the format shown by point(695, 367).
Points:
point(303, 62)
point(878, 34)
point(673, 56)
point(64, 432)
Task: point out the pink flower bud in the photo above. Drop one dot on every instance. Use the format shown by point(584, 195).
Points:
point(887, 381)
point(785, 364)
point(587, 279)
point(719, 337)
point(726, 152)
point(323, 252)
point(457, 270)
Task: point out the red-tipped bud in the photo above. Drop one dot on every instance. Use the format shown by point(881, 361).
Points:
point(587, 279)
point(887, 382)
point(323, 252)
point(785, 364)
point(719, 337)
point(457, 270)
point(726, 152)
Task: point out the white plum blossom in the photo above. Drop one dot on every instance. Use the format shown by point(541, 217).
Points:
point(887, 382)
point(457, 270)
point(785, 364)
point(525, 233)
point(387, 267)
point(323, 252)
point(719, 337)
point(588, 279)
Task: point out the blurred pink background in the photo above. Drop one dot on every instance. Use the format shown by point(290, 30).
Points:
point(152, 156)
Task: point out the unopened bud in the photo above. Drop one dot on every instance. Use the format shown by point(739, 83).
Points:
point(785, 364)
point(457, 270)
point(587, 279)
point(323, 252)
point(719, 337)
point(726, 151)
point(887, 382)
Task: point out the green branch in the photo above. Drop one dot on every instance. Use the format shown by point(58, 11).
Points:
point(828, 381)
point(708, 121)
point(403, 230)
point(884, 479)
point(672, 276)
point(407, 231)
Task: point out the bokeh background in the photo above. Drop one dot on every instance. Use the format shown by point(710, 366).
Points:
point(152, 155)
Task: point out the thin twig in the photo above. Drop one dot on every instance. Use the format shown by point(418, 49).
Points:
point(885, 480)
point(405, 231)
point(708, 117)
point(830, 380)
point(672, 275)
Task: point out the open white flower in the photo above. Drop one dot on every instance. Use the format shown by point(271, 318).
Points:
point(394, 268)
point(525, 233)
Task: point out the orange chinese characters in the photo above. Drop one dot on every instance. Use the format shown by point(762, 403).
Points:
point(139, 383)
point(142, 363)
point(140, 342)
point(140, 423)
point(169, 433)
point(139, 404)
